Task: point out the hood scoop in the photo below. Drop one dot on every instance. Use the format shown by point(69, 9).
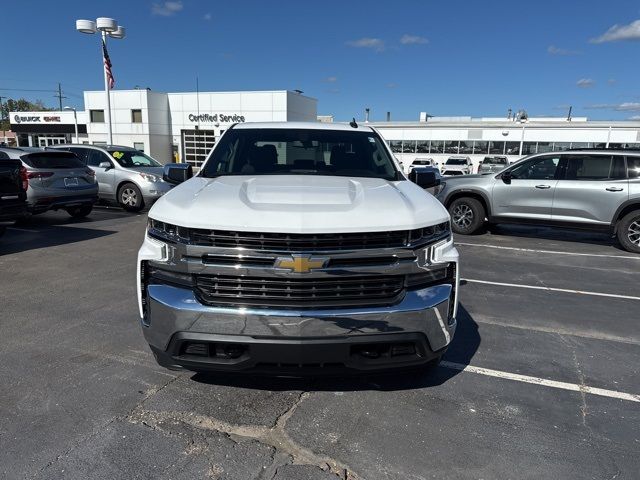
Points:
point(301, 192)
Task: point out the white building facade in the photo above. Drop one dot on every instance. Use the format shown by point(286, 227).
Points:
point(167, 126)
point(441, 138)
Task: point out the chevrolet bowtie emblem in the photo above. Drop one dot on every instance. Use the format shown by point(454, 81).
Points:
point(301, 263)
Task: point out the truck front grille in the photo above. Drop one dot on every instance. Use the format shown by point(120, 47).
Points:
point(288, 292)
point(298, 242)
point(289, 242)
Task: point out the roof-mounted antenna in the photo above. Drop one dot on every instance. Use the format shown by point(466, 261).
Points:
point(353, 123)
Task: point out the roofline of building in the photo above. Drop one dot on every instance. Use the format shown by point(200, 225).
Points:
point(203, 92)
point(507, 124)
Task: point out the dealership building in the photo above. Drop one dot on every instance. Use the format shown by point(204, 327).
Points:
point(439, 138)
point(185, 126)
point(167, 126)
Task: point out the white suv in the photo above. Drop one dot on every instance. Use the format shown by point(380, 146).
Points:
point(457, 165)
point(298, 247)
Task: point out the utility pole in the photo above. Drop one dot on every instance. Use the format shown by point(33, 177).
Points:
point(60, 96)
point(4, 138)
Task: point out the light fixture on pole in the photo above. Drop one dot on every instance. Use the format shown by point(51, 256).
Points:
point(107, 27)
point(75, 119)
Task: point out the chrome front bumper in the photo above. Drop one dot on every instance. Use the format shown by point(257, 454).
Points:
point(172, 310)
point(172, 314)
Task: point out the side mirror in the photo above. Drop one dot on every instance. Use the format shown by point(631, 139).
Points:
point(105, 165)
point(424, 177)
point(177, 173)
point(506, 177)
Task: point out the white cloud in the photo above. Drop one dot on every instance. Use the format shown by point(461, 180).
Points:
point(618, 107)
point(612, 81)
point(413, 40)
point(619, 32)
point(585, 83)
point(553, 50)
point(207, 16)
point(392, 85)
point(167, 9)
point(331, 79)
point(367, 42)
point(634, 117)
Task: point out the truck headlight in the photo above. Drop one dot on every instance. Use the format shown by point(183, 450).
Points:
point(167, 231)
point(439, 188)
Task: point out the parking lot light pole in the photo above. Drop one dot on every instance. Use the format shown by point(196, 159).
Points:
point(108, 27)
point(75, 119)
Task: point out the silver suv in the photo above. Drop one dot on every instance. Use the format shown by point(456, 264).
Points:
point(55, 181)
point(125, 175)
point(593, 189)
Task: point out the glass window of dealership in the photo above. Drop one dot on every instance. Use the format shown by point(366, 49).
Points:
point(480, 147)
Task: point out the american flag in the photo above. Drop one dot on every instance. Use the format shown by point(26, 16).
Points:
point(107, 65)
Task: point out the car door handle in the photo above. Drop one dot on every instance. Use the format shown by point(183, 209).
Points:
point(614, 189)
point(543, 187)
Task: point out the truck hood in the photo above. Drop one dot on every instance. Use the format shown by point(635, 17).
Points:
point(298, 204)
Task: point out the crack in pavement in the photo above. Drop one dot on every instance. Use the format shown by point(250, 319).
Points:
point(275, 436)
point(570, 343)
point(148, 394)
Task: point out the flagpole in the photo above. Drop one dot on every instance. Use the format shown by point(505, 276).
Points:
point(106, 91)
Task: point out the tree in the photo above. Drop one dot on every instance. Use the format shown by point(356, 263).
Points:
point(19, 105)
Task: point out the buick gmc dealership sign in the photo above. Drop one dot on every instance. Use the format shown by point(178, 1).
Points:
point(216, 117)
point(34, 119)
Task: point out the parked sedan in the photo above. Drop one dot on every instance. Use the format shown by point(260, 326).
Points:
point(56, 181)
point(125, 175)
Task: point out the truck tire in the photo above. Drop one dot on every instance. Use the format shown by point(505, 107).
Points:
point(130, 197)
point(629, 232)
point(467, 215)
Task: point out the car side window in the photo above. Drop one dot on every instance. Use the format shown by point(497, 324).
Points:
point(633, 167)
point(595, 167)
point(96, 157)
point(541, 168)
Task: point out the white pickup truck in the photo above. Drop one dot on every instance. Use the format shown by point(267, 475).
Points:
point(298, 248)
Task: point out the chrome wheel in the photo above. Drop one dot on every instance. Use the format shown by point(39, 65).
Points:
point(462, 216)
point(129, 197)
point(633, 232)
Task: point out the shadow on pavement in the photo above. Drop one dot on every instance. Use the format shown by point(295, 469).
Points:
point(462, 349)
point(30, 236)
point(557, 233)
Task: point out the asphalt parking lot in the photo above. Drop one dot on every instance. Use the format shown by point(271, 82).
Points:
point(541, 381)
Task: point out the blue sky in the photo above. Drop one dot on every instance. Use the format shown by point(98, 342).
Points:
point(446, 57)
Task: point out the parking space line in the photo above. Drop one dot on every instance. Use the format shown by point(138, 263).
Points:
point(573, 387)
point(552, 289)
point(554, 252)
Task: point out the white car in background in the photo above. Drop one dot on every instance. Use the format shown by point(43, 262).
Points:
point(457, 165)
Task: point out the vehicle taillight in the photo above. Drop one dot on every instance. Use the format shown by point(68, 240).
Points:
point(25, 178)
point(39, 174)
point(90, 172)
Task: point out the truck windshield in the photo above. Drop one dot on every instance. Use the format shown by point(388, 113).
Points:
point(133, 159)
point(287, 151)
point(456, 161)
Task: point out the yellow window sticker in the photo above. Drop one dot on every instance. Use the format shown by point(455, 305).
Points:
point(117, 155)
